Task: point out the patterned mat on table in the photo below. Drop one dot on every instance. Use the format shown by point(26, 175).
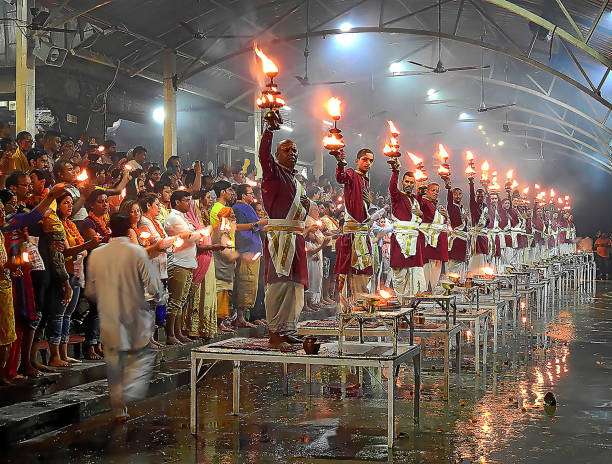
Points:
point(333, 324)
point(258, 344)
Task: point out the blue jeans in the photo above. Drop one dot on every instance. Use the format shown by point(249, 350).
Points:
point(76, 292)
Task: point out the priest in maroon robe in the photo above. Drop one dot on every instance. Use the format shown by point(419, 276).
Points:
point(434, 227)
point(353, 248)
point(286, 272)
point(479, 240)
point(458, 237)
point(407, 242)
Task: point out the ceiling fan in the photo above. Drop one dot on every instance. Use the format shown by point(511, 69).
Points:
point(303, 80)
point(194, 32)
point(439, 68)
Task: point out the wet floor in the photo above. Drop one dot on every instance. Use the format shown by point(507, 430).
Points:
point(499, 417)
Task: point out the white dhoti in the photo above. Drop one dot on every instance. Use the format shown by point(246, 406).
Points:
point(315, 276)
point(477, 262)
point(284, 302)
point(408, 281)
point(129, 373)
point(432, 270)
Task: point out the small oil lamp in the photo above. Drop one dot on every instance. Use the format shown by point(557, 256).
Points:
point(484, 174)
point(509, 176)
point(526, 190)
point(470, 170)
point(82, 177)
point(271, 99)
point(145, 235)
point(552, 196)
point(444, 168)
point(420, 174)
point(391, 149)
point(334, 141)
point(488, 272)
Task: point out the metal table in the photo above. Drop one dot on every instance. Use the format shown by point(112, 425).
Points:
point(392, 317)
point(355, 354)
point(314, 328)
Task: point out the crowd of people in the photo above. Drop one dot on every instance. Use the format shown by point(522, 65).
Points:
point(226, 250)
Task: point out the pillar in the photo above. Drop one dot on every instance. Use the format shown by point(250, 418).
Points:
point(257, 134)
point(25, 76)
point(170, 133)
point(318, 164)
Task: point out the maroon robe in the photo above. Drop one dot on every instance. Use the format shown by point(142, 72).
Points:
point(278, 189)
point(459, 250)
point(523, 240)
point(538, 227)
point(401, 208)
point(439, 253)
point(355, 186)
point(482, 243)
point(513, 220)
point(564, 225)
point(501, 224)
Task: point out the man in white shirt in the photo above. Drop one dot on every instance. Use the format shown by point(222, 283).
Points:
point(139, 155)
point(118, 277)
point(181, 263)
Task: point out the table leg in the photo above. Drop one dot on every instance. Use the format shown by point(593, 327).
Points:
point(416, 364)
point(477, 345)
point(285, 379)
point(360, 331)
point(390, 404)
point(193, 419)
point(484, 346)
point(309, 378)
point(495, 329)
point(236, 388)
point(446, 367)
point(411, 325)
point(395, 335)
point(458, 356)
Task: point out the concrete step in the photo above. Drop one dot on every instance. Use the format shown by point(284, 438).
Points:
point(80, 392)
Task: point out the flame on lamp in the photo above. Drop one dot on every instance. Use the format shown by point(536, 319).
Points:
point(552, 193)
point(82, 176)
point(514, 185)
point(442, 153)
point(510, 174)
point(393, 129)
point(537, 186)
point(488, 270)
point(469, 156)
point(419, 175)
point(178, 242)
point(525, 190)
point(333, 108)
point(145, 235)
point(484, 166)
point(567, 198)
point(385, 294)
point(560, 200)
point(268, 66)
point(414, 158)
point(25, 257)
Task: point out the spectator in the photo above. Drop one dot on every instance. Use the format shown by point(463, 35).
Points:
point(602, 247)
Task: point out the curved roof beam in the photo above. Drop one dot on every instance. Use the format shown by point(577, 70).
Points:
point(562, 33)
point(552, 131)
point(421, 32)
point(590, 159)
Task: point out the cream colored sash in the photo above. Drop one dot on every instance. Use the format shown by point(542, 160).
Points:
point(281, 234)
point(432, 230)
point(407, 234)
point(361, 258)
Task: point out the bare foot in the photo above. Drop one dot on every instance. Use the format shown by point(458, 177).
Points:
point(99, 350)
point(58, 362)
point(91, 354)
point(183, 338)
point(173, 341)
point(154, 342)
point(41, 367)
point(32, 372)
point(71, 360)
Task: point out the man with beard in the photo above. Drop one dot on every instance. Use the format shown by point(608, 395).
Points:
point(434, 228)
point(226, 196)
point(497, 221)
point(353, 249)
point(407, 243)
point(286, 272)
point(458, 237)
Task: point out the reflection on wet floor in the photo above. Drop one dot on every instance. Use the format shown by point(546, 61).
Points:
point(498, 417)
